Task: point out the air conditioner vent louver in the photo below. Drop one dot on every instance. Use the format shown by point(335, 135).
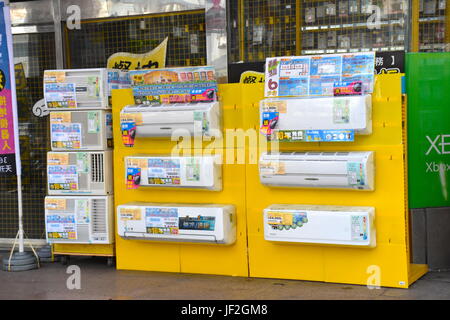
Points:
point(98, 214)
point(349, 170)
point(97, 169)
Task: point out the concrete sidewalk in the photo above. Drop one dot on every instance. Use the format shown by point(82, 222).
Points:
point(98, 281)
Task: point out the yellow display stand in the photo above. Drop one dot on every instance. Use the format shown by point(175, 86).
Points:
point(180, 257)
point(104, 250)
point(388, 264)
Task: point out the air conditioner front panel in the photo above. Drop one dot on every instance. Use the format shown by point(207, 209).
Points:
point(178, 172)
point(79, 173)
point(79, 219)
point(307, 181)
point(331, 113)
point(92, 86)
point(81, 130)
point(351, 170)
point(177, 222)
point(194, 119)
point(164, 129)
point(348, 226)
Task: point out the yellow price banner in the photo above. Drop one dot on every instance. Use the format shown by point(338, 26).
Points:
point(153, 59)
point(249, 77)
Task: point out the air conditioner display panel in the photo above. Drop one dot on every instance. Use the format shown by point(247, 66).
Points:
point(185, 223)
point(352, 226)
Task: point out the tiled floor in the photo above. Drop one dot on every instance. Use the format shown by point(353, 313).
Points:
point(101, 282)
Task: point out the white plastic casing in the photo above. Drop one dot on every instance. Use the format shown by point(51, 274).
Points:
point(328, 113)
point(93, 86)
point(332, 225)
point(196, 119)
point(206, 223)
point(80, 173)
point(348, 170)
point(198, 172)
point(80, 219)
point(93, 128)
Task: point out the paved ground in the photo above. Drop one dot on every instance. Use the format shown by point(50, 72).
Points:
point(101, 282)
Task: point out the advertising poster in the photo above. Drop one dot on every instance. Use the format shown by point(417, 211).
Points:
point(66, 135)
point(61, 226)
point(428, 88)
point(161, 220)
point(174, 85)
point(9, 135)
point(317, 75)
point(62, 177)
point(60, 95)
point(165, 172)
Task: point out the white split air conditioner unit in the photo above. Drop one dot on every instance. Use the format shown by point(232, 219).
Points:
point(88, 173)
point(212, 223)
point(81, 130)
point(348, 170)
point(330, 113)
point(79, 219)
point(199, 119)
point(335, 225)
point(199, 172)
point(82, 88)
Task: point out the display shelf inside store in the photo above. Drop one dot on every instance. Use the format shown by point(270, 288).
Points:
point(432, 26)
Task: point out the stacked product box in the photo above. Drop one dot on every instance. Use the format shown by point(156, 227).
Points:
point(173, 102)
point(323, 98)
point(79, 206)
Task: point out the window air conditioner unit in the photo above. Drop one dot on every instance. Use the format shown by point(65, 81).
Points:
point(79, 219)
point(200, 172)
point(348, 170)
point(212, 223)
point(335, 225)
point(80, 173)
point(199, 119)
point(81, 130)
point(82, 88)
point(327, 114)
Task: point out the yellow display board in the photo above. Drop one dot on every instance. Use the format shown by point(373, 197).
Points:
point(181, 257)
point(388, 264)
point(107, 250)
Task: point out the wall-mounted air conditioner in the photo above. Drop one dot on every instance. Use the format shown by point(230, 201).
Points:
point(82, 88)
point(351, 226)
point(79, 219)
point(81, 130)
point(212, 223)
point(80, 173)
point(349, 170)
point(292, 116)
point(199, 119)
point(200, 172)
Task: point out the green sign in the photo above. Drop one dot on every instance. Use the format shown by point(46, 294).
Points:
point(428, 89)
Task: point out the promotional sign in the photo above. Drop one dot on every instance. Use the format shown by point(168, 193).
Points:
point(154, 59)
point(428, 89)
point(318, 75)
point(174, 85)
point(387, 62)
point(9, 135)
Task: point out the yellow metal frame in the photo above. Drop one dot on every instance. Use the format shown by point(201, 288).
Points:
point(182, 257)
point(253, 256)
point(104, 250)
point(333, 263)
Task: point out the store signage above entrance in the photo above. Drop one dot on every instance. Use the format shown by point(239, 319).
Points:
point(153, 59)
point(390, 62)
